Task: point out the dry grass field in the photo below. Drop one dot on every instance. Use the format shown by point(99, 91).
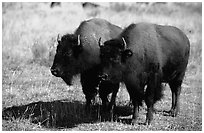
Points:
point(33, 99)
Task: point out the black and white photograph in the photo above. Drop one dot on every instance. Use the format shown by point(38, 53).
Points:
point(101, 66)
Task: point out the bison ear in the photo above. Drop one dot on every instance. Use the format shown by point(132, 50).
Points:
point(127, 53)
point(100, 43)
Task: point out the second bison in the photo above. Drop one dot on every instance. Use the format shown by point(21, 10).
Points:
point(147, 54)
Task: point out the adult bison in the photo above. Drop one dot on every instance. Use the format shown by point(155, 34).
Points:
point(147, 54)
point(78, 53)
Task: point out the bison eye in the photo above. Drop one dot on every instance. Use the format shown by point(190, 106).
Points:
point(59, 51)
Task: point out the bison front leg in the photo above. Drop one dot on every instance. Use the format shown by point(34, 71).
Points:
point(105, 88)
point(90, 93)
point(136, 96)
point(135, 112)
point(104, 103)
point(112, 104)
point(149, 116)
point(149, 100)
point(103, 93)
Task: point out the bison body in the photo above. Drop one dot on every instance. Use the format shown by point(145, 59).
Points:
point(78, 53)
point(147, 54)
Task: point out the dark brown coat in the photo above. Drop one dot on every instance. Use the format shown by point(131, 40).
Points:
point(147, 54)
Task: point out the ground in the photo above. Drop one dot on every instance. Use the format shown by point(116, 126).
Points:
point(33, 99)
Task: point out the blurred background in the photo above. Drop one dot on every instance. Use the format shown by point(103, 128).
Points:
point(29, 32)
point(30, 29)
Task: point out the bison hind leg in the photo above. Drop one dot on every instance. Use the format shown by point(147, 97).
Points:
point(158, 93)
point(158, 87)
point(176, 90)
point(154, 92)
point(175, 85)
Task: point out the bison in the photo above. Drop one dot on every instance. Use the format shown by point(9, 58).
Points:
point(78, 53)
point(147, 54)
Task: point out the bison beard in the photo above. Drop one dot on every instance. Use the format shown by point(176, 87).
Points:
point(67, 80)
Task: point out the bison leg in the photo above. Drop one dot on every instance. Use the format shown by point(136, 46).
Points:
point(149, 115)
point(105, 88)
point(136, 96)
point(103, 111)
point(90, 93)
point(149, 100)
point(103, 93)
point(88, 103)
point(112, 102)
point(104, 103)
point(89, 82)
point(176, 90)
point(153, 93)
point(135, 112)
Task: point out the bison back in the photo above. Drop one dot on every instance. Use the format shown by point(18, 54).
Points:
point(90, 31)
point(165, 46)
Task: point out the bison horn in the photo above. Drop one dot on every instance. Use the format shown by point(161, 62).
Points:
point(78, 38)
point(59, 38)
point(124, 43)
point(99, 43)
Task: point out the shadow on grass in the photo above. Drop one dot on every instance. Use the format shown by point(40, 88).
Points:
point(59, 114)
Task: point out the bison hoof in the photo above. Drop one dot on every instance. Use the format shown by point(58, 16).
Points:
point(134, 122)
point(147, 122)
point(172, 112)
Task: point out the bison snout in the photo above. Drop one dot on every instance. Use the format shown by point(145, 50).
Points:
point(103, 77)
point(55, 72)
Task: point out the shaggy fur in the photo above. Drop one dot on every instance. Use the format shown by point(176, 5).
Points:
point(73, 58)
point(154, 54)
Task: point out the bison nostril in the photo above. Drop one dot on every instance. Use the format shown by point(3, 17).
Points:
point(104, 77)
point(53, 71)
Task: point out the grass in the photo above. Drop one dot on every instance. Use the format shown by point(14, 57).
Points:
point(33, 99)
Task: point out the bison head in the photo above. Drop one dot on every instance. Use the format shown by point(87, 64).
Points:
point(113, 55)
point(66, 58)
